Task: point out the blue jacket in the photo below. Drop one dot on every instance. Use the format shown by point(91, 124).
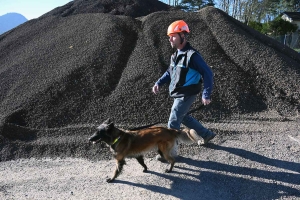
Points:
point(185, 73)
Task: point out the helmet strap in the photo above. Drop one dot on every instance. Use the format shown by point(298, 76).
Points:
point(181, 38)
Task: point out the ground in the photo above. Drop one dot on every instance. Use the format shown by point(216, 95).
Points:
point(249, 159)
point(64, 73)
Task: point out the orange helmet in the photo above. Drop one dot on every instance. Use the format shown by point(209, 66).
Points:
point(177, 27)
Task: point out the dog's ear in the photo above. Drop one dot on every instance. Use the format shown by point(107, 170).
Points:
point(111, 125)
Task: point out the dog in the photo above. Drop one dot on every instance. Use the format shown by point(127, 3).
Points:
point(135, 143)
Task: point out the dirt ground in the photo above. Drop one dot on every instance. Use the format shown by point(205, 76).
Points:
point(248, 159)
point(65, 72)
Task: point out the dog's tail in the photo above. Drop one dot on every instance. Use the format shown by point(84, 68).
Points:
point(188, 136)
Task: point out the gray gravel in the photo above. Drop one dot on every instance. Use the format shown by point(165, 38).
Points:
point(263, 163)
point(64, 73)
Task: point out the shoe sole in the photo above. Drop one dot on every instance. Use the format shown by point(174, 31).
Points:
point(204, 142)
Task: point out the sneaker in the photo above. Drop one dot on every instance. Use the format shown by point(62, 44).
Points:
point(207, 139)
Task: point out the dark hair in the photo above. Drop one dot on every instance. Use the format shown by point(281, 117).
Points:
point(186, 34)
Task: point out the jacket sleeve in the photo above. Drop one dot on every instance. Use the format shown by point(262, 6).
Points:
point(165, 78)
point(197, 63)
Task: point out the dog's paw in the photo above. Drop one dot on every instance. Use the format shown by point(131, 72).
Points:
point(168, 170)
point(109, 180)
point(145, 170)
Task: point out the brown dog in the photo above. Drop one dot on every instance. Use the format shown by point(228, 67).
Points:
point(125, 143)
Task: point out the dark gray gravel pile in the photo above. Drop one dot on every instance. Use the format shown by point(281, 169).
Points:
point(62, 74)
point(133, 8)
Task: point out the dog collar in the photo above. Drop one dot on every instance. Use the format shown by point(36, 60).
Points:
point(116, 140)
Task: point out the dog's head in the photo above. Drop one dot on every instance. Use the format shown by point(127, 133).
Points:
point(103, 133)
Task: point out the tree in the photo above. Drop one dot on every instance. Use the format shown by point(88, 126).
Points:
point(281, 27)
point(265, 28)
point(171, 2)
point(256, 25)
point(292, 5)
point(276, 27)
point(256, 10)
point(194, 5)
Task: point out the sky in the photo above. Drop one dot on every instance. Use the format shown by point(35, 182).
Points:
point(30, 8)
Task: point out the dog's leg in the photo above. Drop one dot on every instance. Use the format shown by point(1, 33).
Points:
point(140, 159)
point(160, 153)
point(119, 167)
point(165, 149)
point(171, 160)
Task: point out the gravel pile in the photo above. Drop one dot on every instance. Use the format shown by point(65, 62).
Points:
point(133, 8)
point(67, 71)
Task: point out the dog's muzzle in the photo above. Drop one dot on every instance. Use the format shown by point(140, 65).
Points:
point(94, 140)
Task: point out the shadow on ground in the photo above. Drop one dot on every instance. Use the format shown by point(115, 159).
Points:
point(230, 182)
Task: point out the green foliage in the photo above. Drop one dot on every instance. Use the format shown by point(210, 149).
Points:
point(256, 25)
point(281, 27)
point(265, 28)
point(276, 27)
